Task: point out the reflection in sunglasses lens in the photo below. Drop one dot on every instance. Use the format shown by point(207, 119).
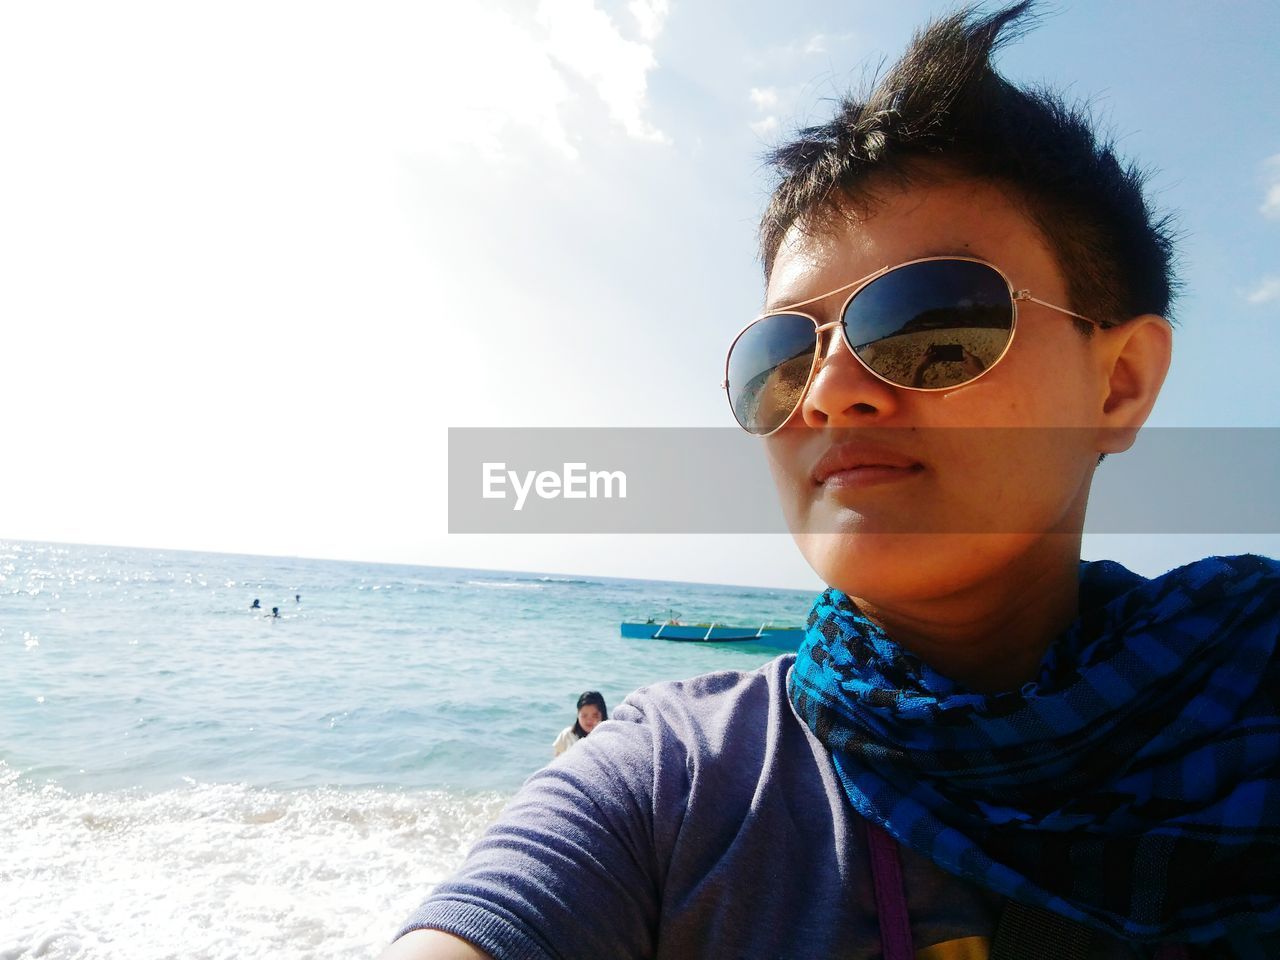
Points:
point(769, 366)
point(932, 325)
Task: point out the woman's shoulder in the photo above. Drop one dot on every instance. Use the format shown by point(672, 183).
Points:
point(710, 697)
point(663, 737)
point(740, 716)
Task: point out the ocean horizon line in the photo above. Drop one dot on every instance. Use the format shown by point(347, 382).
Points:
point(399, 563)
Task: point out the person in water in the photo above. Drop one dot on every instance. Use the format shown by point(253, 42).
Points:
point(275, 612)
point(256, 605)
point(985, 747)
point(591, 711)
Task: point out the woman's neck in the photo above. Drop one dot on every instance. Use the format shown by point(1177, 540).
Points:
point(993, 636)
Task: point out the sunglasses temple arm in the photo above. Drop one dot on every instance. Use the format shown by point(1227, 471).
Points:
point(1026, 295)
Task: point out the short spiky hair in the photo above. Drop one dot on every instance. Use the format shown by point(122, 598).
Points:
point(942, 109)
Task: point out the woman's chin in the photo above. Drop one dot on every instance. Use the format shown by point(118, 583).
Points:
point(885, 568)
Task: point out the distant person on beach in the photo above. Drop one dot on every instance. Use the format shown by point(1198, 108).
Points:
point(986, 747)
point(255, 605)
point(591, 711)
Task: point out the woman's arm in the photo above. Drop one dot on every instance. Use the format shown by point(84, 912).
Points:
point(432, 945)
point(568, 869)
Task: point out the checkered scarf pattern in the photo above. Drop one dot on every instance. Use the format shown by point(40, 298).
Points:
point(1134, 785)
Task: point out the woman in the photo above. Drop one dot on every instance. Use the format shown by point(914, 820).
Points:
point(985, 747)
point(591, 711)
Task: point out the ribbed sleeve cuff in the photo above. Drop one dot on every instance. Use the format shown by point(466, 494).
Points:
point(503, 938)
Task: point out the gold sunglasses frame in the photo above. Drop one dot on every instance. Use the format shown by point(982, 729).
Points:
point(1016, 296)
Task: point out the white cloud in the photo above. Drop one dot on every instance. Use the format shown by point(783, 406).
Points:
point(1271, 203)
point(817, 44)
point(764, 98)
point(800, 49)
point(477, 99)
point(586, 41)
point(234, 235)
point(650, 15)
point(1265, 292)
point(765, 127)
point(478, 82)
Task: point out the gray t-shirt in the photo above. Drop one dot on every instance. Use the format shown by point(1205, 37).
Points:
point(703, 819)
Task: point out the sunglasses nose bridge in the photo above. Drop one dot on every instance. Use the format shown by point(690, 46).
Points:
point(821, 328)
point(841, 386)
point(825, 351)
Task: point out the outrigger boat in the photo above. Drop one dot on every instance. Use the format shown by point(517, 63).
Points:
point(673, 629)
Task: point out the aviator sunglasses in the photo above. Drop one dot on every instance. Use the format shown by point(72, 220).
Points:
point(930, 324)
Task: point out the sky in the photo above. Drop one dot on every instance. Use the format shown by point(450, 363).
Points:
point(257, 258)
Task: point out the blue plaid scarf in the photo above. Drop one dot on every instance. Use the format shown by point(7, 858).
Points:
point(1134, 785)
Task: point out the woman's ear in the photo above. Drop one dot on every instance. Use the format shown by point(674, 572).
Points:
point(1136, 356)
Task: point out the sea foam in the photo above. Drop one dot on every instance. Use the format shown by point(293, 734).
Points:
point(222, 870)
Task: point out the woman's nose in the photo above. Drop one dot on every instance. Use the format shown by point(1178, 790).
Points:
point(843, 392)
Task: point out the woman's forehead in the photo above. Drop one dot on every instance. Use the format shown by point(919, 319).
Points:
point(969, 218)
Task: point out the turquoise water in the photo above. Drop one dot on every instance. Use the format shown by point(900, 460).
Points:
point(169, 757)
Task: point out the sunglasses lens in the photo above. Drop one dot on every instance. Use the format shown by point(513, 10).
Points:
point(769, 365)
point(932, 325)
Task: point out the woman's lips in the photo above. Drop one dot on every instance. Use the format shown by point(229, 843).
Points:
point(869, 475)
point(863, 464)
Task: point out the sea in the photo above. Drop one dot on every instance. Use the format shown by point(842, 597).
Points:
point(184, 776)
